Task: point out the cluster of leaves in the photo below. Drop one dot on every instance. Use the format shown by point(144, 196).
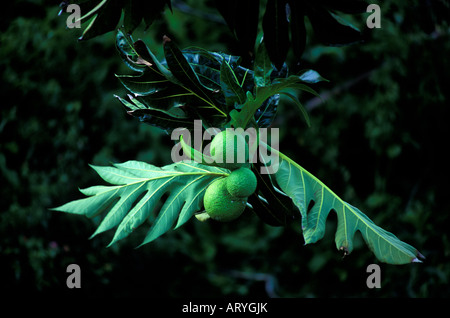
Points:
point(188, 85)
point(377, 142)
point(283, 21)
point(283, 24)
point(103, 16)
point(197, 84)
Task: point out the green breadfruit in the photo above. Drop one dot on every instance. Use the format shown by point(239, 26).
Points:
point(229, 150)
point(241, 183)
point(220, 205)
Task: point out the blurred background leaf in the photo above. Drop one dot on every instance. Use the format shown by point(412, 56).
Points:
point(377, 138)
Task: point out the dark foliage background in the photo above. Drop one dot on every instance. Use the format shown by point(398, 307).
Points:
point(378, 139)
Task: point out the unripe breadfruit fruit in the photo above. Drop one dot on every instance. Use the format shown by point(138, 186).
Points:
point(241, 183)
point(229, 150)
point(221, 205)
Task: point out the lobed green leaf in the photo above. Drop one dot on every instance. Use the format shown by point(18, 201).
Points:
point(315, 201)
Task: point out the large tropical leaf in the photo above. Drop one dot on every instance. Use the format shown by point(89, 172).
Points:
point(138, 190)
point(315, 201)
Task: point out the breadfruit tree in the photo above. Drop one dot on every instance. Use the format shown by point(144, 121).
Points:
point(235, 98)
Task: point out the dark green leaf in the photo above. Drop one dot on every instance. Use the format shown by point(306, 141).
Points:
point(153, 9)
point(165, 119)
point(276, 31)
point(161, 119)
point(262, 67)
point(180, 67)
point(206, 66)
point(133, 13)
point(166, 99)
point(125, 47)
point(242, 18)
point(231, 88)
point(106, 20)
point(265, 114)
point(182, 70)
point(272, 206)
point(143, 84)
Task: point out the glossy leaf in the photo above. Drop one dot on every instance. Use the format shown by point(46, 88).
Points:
point(129, 55)
point(106, 20)
point(165, 119)
point(231, 88)
point(143, 84)
point(183, 71)
point(136, 192)
point(272, 206)
point(265, 115)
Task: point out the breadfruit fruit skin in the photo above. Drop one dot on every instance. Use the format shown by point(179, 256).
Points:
point(220, 205)
point(231, 145)
point(241, 183)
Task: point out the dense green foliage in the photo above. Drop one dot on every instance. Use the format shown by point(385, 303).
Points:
point(376, 139)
